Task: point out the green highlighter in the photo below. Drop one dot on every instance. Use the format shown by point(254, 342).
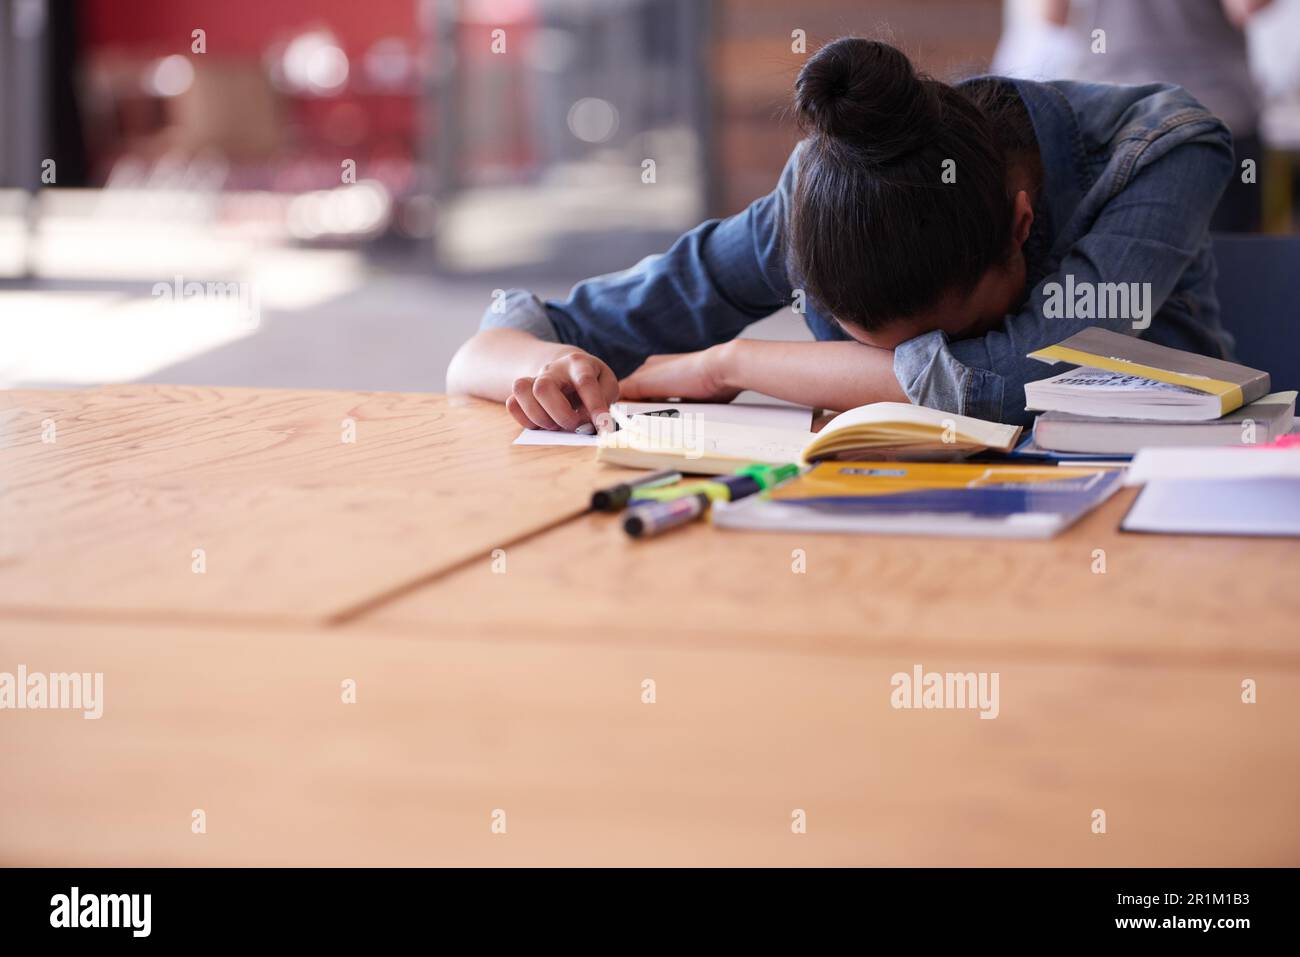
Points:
point(764, 477)
point(769, 476)
point(656, 510)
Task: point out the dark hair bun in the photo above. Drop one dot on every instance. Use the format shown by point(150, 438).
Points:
point(869, 95)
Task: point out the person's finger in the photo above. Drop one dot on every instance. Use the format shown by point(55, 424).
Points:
point(547, 391)
point(523, 394)
point(512, 406)
point(609, 385)
point(610, 390)
point(586, 382)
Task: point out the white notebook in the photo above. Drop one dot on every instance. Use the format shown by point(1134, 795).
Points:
point(1263, 506)
point(1224, 491)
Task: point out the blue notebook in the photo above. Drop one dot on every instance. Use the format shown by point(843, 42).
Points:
point(1030, 451)
point(996, 501)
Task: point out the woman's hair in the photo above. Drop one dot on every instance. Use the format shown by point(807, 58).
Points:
point(876, 234)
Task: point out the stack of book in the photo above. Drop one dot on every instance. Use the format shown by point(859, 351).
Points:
point(1128, 394)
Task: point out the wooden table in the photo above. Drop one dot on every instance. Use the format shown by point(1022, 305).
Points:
point(1194, 600)
point(297, 506)
point(249, 727)
point(517, 684)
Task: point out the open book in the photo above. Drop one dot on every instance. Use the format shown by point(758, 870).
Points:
point(699, 443)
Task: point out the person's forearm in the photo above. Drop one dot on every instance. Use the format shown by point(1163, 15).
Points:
point(1055, 12)
point(827, 375)
point(488, 364)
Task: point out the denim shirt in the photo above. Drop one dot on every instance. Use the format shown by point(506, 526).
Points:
point(1131, 177)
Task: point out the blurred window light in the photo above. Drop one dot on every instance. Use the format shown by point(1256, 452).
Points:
point(593, 120)
point(346, 212)
point(314, 63)
point(86, 338)
point(363, 207)
point(498, 11)
point(328, 70)
point(170, 76)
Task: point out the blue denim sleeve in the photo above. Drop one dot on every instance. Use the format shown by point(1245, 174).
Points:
point(1150, 231)
point(712, 283)
point(519, 309)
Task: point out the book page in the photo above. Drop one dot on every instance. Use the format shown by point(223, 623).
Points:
point(752, 414)
point(792, 418)
point(888, 414)
point(1100, 379)
point(691, 437)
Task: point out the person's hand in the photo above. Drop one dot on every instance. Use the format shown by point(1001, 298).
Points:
point(569, 391)
point(684, 375)
point(1240, 11)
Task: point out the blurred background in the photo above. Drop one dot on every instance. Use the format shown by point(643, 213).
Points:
point(327, 194)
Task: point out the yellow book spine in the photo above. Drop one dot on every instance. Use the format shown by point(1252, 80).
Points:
point(1229, 393)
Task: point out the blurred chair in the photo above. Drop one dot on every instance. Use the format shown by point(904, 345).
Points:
point(1259, 297)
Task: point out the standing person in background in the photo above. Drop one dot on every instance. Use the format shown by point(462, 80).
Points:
point(1198, 44)
point(1034, 45)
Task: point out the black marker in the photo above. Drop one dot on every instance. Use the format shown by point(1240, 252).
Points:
point(655, 517)
point(616, 498)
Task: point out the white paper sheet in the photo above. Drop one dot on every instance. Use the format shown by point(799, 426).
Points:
point(1260, 506)
point(1196, 464)
point(755, 414)
point(791, 418)
point(547, 437)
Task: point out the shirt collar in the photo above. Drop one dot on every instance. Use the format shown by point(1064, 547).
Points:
point(1060, 147)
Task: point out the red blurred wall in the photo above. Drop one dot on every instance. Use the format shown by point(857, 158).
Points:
point(238, 28)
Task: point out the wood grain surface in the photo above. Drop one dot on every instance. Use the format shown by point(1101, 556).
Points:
point(250, 727)
point(514, 683)
point(293, 522)
point(1214, 600)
